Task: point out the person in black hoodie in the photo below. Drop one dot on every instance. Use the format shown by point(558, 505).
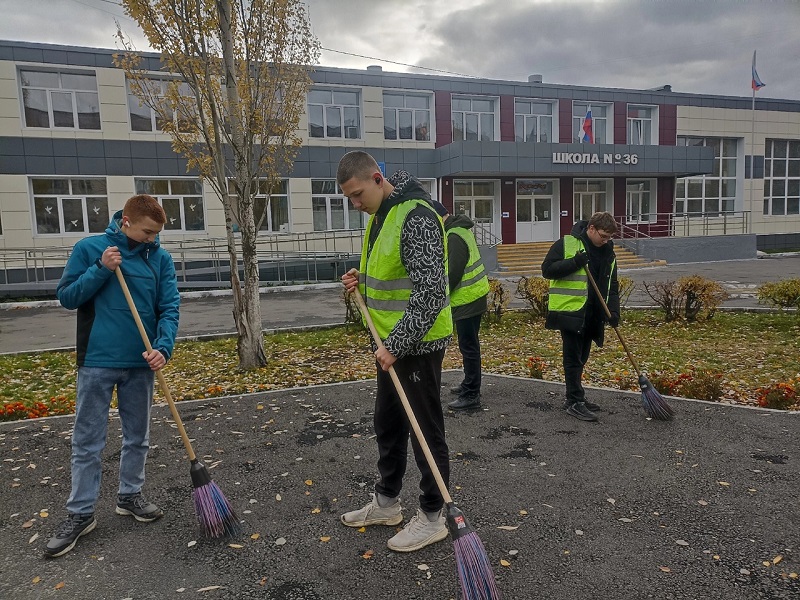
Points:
point(402, 277)
point(573, 305)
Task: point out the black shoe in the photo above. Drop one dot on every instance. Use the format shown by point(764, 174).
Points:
point(592, 406)
point(139, 508)
point(457, 390)
point(579, 411)
point(466, 403)
point(68, 533)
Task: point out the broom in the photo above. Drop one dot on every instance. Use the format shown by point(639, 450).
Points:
point(474, 571)
point(214, 513)
point(654, 404)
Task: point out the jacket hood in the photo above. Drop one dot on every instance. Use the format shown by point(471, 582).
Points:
point(406, 188)
point(114, 231)
point(579, 231)
point(579, 228)
point(458, 221)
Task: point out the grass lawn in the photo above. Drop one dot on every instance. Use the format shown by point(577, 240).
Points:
point(728, 357)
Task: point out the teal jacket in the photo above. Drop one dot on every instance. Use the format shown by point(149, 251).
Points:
point(107, 335)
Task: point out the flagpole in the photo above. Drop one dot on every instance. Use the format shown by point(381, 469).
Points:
point(752, 145)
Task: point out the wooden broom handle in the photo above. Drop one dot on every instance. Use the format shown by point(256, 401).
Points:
point(608, 314)
point(404, 399)
point(159, 374)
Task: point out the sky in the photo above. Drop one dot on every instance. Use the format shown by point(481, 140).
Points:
point(696, 46)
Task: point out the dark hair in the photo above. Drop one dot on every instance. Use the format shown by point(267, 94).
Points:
point(604, 221)
point(143, 205)
point(358, 164)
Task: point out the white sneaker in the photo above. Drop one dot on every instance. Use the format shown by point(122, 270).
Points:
point(374, 514)
point(418, 533)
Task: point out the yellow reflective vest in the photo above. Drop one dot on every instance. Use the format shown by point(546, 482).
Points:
point(474, 282)
point(569, 295)
point(384, 281)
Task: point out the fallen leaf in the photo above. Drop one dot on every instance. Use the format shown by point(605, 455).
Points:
point(325, 538)
point(682, 542)
point(626, 520)
point(724, 483)
point(665, 569)
point(744, 571)
point(361, 529)
point(578, 532)
point(280, 541)
point(237, 546)
point(508, 527)
point(315, 511)
point(716, 557)
point(278, 497)
point(44, 514)
point(523, 512)
point(793, 575)
point(27, 524)
point(192, 543)
point(309, 482)
point(611, 501)
point(504, 562)
point(210, 588)
point(59, 585)
point(34, 537)
point(702, 503)
point(777, 559)
point(368, 554)
point(36, 579)
point(263, 581)
point(423, 567)
point(255, 536)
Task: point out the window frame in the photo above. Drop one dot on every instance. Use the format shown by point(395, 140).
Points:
point(652, 132)
point(163, 82)
point(415, 126)
point(696, 188)
point(652, 197)
point(608, 196)
point(70, 195)
point(607, 120)
point(533, 115)
point(267, 225)
point(788, 177)
point(49, 91)
point(347, 206)
point(182, 198)
point(334, 105)
point(495, 100)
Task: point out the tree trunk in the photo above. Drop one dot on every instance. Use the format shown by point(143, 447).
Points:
point(246, 303)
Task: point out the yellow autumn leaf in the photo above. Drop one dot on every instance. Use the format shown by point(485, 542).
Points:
point(260, 407)
point(716, 557)
point(309, 482)
point(368, 554)
point(315, 511)
point(523, 512)
point(325, 538)
point(59, 585)
point(237, 546)
point(36, 579)
point(777, 559)
point(766, 563)
point(255, 536)
point(44, 514)
point(504, 562)
point(362, 529)
point(665, 569)
point(725, 483)
point(793, 575)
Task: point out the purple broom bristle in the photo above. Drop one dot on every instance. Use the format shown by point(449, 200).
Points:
point(653, 402)
point(214, 513)
point(474, 571)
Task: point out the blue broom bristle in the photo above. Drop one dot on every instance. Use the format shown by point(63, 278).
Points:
point(214, 513)
point(654, 404)
point(474, 571)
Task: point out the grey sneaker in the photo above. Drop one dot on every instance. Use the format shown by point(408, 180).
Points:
point(579, 411)
point(67, 534)
point(418, 533)
point(139, 508)
point(374, 514)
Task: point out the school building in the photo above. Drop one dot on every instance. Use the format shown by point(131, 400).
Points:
point(518, 157)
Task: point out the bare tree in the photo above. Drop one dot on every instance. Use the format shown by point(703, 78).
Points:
point(234, 83)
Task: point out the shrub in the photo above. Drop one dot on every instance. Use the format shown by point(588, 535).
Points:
point(783, 294)
point(777, 395)
point(351, 312)
point(535, 291)
point(693, 298)
point(57, 405)
point(537, 366)
point(702, 384)
point(497, 300)
point(626, 287)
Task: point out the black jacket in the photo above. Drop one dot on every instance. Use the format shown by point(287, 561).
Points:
point(457, 259)
point(600, 265)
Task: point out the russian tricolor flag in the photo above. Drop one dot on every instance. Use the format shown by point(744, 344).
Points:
point(588, 134)
point(756, 83)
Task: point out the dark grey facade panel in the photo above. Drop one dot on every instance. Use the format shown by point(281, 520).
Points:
point(118, 148)
point(145, 167)
point(91, 166)
point(38, 146)
point(27, 54)
point(95, 148)
point(119, 166)
point(164, 151)
point(66, 165)
point(490, 164)
point(11, 146)
point(65, 147)
point(335, 153)
point(508, 164)
point(143, 149)
point(302, 169)
point(6, 53)
point(351, 79)
point(39, 165)
point(169, 167)
point(393, 155)
point(318, 154)
point(12, 165)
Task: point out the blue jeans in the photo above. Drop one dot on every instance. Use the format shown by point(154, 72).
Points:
point(134, 399)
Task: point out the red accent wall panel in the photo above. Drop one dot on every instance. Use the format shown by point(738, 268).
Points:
point(444, 129)
point(508, 203)
point(620, 122)
point(565, 223)
point(667, 125)
point(447, 194)
point(507, 119)
point(620, 194)
point(565, 121)
point(664, 202)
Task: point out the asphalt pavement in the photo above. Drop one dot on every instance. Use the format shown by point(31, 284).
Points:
point(46, 325)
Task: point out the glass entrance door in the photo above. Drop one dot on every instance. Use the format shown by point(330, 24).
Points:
point(476, 199)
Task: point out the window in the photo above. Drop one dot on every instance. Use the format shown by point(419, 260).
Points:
point(144, 118)
point(639, 201)
point(474, 118)
point(70, 206)
point(60, 99)
point(600, 121)
point(533, 120)
point(330, 209)
point(782, 177)
point(474, 199)
point(181, 199)
point(334, 114)
point(590, 196)
point(271, 206)
point(712, 194)
point(640, 125)
point(406, 116)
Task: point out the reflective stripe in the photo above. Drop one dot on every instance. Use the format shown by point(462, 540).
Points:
point(576, 276)
point(567, 292)
point(466, 282)
point(403, 283)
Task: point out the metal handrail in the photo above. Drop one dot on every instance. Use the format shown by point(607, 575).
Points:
point(685, 225)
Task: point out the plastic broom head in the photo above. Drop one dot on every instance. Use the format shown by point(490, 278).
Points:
point(474, 571)
point(654, 404)
point(214, 513)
